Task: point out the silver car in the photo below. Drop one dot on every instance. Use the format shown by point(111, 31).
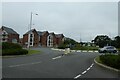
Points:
point(107, 49)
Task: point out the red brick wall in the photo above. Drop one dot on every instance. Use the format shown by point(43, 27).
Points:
point(36, 38)
point(54, 41)
point(59, 40)
point(13, 36)
point(44, 39)
point(25, 38)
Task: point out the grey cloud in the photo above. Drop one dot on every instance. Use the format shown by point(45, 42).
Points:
point(71, 19)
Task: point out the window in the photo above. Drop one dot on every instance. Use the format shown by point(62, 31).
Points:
point(49, 37)
point(14, 40)
point(31, 35)
point(4, 34)
point(30, 39)
point(49, 41)
point(30, 43)
point(3, 39)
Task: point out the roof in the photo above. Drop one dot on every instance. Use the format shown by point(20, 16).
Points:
point(41, 33)
point(44, 32)
point(59, 35)
point(52, 33)
point(9, 30)
point(30, 31)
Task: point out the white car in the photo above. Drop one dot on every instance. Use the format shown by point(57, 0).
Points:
point(107, 49)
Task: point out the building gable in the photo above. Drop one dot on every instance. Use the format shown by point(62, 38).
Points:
point(9, 30)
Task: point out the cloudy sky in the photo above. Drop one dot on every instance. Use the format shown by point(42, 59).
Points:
point(76, 20)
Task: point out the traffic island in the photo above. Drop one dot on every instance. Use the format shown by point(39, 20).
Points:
point(98, 62)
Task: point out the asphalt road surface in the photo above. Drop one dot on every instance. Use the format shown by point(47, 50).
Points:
point(51, 64)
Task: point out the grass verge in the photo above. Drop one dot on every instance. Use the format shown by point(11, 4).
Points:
point(33, 52)
point(98, 59)
point(110, 65)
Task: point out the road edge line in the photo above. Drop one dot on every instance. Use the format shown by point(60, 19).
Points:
point(105, 66)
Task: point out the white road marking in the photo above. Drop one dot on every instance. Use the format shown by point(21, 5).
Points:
point(84, 71)
point(77, 76)
point(24, 64)
point(88, 69)
point(91, 65)
point(57, 57)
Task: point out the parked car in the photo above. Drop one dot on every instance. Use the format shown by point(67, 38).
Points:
point(107, 49)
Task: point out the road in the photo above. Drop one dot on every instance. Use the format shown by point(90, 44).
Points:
point(50, 64)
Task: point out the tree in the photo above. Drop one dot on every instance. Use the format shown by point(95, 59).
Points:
point(117, 41)
point(68, 43)
point(102, 40)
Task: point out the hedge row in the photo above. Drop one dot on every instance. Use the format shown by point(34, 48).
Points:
point(14, 52)
point(6, 45)
point(111, 60)
point(12, 49)
point(85, 48)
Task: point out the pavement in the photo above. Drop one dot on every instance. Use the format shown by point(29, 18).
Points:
point(52, 64)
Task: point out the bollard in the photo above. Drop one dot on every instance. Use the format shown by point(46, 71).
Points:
point(67, 50)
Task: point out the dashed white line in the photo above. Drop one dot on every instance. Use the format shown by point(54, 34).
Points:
point(57, 57)
point(88, 69)
point(77, 76)
point(84, 71)
point(91, 65)
point(24, 64)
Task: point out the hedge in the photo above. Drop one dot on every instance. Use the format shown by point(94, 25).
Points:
point(111, 60)
point(6, 45)
point(14, 52)
point(12, 49)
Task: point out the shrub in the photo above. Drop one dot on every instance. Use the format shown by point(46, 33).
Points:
point(111, 60)
point(12, 49)
point(85, 48)
point(14, 52)
point(62, 46)
point(6, 45)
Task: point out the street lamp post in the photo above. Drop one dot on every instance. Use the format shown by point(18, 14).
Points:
point(30, 31)
point(31, 16)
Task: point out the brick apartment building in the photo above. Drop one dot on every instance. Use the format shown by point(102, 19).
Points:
point(9, 35)
point(44, 39)
point(59, 38)
point(31, 37)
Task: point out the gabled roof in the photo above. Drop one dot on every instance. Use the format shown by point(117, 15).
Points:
point(41, 33)
point(52, 33)
point(30, 31)
point(44, 32)
point(9, 30)
point(59, 35)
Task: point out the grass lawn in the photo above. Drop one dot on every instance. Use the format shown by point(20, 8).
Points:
point(33, 52)
point(98, 59)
